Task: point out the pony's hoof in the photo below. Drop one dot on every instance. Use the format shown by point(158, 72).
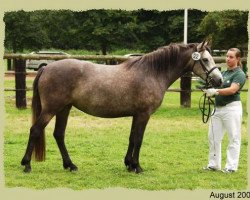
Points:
point(138, 170)
point(73, 168)
point(130, 168)
point(27, 169)
point(70, 166)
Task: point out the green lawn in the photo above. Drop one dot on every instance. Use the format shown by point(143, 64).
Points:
point(174, 150)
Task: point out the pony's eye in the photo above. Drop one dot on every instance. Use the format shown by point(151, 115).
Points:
point(205, 60)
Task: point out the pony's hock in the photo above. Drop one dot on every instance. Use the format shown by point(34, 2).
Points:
point(133, 88)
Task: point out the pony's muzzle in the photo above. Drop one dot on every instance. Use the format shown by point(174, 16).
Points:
point(215, 81)
point(215, 77)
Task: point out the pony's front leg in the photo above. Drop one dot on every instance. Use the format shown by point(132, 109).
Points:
point(138, 128)
point(129, 155)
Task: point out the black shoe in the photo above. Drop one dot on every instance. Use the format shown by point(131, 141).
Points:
point(209, 169)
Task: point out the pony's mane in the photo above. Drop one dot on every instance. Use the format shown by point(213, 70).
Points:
point(161, 59)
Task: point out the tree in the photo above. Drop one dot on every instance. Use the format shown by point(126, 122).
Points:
point(226, 28)
point(23, 31)
point(194, 19)
point(104, 29)
point(61, 28)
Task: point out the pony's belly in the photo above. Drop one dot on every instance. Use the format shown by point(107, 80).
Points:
point(104, 104)
point(113, 108)
point(105, 111)
point(122, 101)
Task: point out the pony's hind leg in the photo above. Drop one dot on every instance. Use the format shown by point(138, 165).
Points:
point(59, 135)
point(36, 141)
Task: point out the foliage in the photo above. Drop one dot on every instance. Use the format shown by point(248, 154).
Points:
point(195, 17)
point(226, 28)
point(101, 30)
point(105, 29)
point(24, 31)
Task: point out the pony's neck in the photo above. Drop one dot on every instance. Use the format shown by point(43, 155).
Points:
point(166, 64)
point(171, 62)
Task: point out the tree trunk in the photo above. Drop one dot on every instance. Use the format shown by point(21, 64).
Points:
point(104, 49)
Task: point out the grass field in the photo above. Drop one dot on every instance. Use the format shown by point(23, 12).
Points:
point(174, 150)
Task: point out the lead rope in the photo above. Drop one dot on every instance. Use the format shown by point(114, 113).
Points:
point(206, 106)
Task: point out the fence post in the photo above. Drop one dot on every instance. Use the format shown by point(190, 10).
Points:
point(185, 94)
point(20, 81)
point(9, 66)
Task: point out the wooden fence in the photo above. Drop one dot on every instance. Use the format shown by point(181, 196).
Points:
point(19, 65)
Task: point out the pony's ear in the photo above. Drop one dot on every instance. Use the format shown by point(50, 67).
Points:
point(202, 46)
point(208, 42)
point(209, 46)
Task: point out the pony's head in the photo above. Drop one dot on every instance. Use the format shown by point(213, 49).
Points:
point(204, 65)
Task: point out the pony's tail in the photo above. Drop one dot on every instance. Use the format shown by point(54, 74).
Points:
point(39, 147)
